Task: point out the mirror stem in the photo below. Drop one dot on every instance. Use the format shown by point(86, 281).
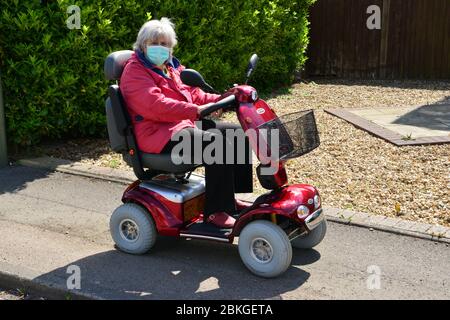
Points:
point(249, 73)
point(210, 89)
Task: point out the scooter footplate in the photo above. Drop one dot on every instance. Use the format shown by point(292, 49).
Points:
point(207, 231)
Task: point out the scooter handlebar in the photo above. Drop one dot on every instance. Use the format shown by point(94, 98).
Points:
point(222, 104)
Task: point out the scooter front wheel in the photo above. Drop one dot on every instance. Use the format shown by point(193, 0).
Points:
point(132, 229)
point(265, 249)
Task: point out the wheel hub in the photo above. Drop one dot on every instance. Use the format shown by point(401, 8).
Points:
point(261, 250)
point(129, 230)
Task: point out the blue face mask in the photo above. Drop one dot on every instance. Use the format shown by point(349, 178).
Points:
point(158, 54)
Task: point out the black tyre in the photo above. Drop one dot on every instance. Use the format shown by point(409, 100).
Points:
point(311, 239)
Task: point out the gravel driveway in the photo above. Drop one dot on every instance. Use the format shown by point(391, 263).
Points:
point(352, 169)
point(357, 171)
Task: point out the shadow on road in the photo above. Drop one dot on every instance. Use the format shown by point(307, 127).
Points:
point(15, 178)
point(181, 269)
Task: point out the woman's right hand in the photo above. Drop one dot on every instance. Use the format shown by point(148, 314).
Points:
point(216, 113)
point(203, 107)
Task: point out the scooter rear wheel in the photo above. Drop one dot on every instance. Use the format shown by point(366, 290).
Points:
point(265, 249)
point(132, 229)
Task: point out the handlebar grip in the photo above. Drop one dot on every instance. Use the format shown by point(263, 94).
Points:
point(218, 105)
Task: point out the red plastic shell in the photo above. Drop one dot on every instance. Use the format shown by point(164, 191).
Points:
point(282, 202)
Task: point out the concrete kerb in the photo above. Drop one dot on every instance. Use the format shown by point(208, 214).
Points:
point(43, 289)
point(80, 169)
point(359, 219)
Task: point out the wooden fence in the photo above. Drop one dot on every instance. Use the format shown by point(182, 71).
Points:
point(413, 40)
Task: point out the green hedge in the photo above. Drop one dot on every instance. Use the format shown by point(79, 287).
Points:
point(53, 77)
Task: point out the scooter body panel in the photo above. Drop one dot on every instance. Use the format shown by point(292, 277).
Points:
point(172, 204)
point(282, 202)
point(252, 113)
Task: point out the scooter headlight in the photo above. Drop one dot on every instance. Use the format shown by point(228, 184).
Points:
point(254, 96)
point(316, 201)
point(302, 211)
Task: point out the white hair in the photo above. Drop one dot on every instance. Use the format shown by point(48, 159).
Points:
point(153, 30)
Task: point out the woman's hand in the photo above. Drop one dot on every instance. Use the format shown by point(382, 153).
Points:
point(202, 107)
point(217, 113)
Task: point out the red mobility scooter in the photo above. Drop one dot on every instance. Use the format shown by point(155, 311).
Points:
point(168, 200)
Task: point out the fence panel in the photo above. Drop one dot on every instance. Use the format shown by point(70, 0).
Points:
point(413, 41)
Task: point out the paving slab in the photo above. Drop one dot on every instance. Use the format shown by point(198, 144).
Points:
point(421, 121)
point(429, 124)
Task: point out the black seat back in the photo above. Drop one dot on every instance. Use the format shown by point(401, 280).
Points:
point(114, 64)
point(120, 129)
point(117, 120)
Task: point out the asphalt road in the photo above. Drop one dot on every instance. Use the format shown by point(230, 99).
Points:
point(50, 221)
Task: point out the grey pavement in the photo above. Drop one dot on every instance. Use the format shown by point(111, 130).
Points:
point(52, 220)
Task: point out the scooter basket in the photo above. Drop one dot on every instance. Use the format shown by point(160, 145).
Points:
point(297, 134)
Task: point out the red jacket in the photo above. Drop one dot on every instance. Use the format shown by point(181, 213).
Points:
point(159, 106)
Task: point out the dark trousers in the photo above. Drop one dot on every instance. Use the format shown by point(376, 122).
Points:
point(222, 180)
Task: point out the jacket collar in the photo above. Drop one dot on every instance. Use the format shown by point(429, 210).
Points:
point(173, 62)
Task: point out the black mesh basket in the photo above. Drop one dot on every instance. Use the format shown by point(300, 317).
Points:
point(297, 133)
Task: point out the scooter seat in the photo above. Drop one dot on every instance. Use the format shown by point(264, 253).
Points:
point(121, 138)
point(163, 162)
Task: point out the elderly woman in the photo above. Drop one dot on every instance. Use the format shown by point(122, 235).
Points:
point(161, 106)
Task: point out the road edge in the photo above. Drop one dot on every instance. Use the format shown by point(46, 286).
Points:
point(39, 288)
